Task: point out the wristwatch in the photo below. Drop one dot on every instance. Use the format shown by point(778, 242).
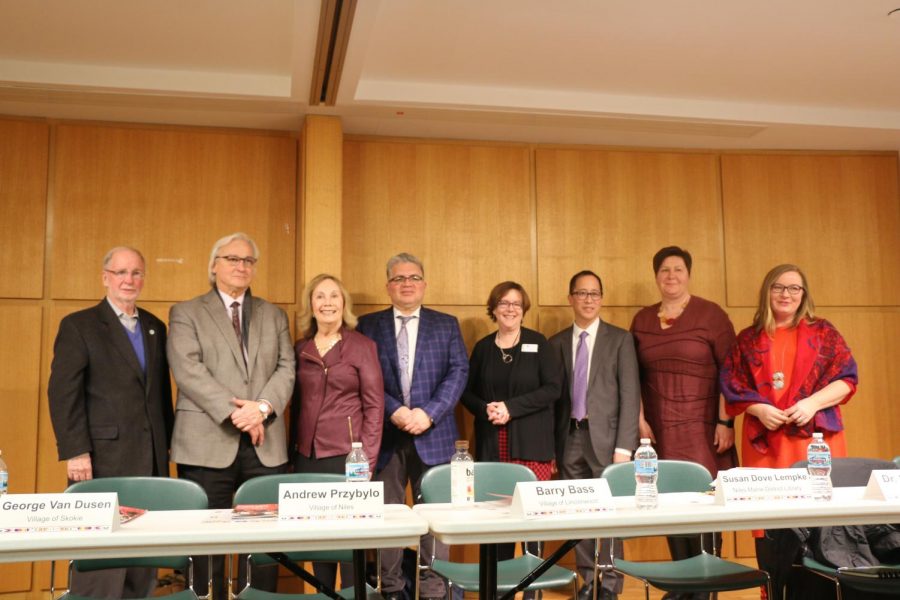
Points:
point(264, 408)
point(726, 422)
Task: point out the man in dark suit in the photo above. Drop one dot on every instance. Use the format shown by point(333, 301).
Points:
point(111, 401)
point(597, 415)
point(425, 367)
point(233, 363)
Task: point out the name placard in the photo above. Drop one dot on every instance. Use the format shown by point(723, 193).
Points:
point(883, 485)
point(330, 501)
point(534, 499)
point(754, 485)
point(59, 512)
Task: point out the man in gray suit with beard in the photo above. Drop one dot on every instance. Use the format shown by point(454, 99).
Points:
point(111, 401)
point(597, 415)
point(233, 363)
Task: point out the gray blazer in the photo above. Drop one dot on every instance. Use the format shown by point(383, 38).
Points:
point(209, 371)
point(613, 396)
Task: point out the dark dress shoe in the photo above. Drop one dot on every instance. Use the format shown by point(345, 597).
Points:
point(393, 595)
point(585, 592)
point(607, 595)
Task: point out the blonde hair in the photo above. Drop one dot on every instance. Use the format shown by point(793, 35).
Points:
point(306, 322)
point(764, 319)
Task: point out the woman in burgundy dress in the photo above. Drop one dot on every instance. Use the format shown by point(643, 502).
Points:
point(681, 344)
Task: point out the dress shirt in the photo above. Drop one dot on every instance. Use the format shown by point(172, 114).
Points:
point(228, 301)
point(412, 333)
point(130, 322)
point(589, 342)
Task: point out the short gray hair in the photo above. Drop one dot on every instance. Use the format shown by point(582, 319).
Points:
point(404, 257)
point(224, 242)
point(109, 255)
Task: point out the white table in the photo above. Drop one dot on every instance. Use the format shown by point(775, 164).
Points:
point(489, 524)
point(184, 532)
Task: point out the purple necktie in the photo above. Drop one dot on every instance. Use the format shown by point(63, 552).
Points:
point(579, 379)
point(403, 356)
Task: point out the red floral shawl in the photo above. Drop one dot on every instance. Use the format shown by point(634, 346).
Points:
point(822, 357)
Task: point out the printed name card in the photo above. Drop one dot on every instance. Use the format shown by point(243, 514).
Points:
point(755, 485)
point(883, 485)
point(59, 512)
point(534, 499)
point(330, 501)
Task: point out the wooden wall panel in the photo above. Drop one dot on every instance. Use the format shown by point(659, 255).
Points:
point(171, 193)
point(838, 217)
point(24, 152)
point(20, 355)
point(465, 210)
point(321, 197)
point(611, 211)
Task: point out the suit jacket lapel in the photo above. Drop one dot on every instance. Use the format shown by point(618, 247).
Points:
point(119, 338)
point(149, 349)
point(567, 352)
point(422, 339)
point(389, 339)
point(213, 304)
point(252, 332)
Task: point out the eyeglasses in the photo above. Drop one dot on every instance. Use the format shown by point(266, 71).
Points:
point(401, 279)
point(123, 273)
point(779, 289)
point(585, 294)
point(234, 261)
point(506, 304)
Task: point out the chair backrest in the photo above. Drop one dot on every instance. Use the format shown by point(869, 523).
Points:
point(852, 471)
point(897, 461)
point(264, 490)
point(492, 480)
point(149, 493)
point(674, 476)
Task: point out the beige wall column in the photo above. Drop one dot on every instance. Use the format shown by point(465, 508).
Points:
point(321, 198)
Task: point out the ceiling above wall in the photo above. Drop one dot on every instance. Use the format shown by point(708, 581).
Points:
point(804, 74)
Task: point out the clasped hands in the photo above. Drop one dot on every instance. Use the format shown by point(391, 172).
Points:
point(801, 414)
point(249, 419)
point(497, 413)
point(413, 421)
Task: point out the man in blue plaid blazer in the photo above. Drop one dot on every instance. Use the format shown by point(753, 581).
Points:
point(425, 367)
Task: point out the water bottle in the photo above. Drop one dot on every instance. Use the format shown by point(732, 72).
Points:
point(356, 467)
point(818, 465)
point(462, 476)
point(4, 476)
point(646, 470)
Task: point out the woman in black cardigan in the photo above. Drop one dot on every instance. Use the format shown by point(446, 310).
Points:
point(514, 382)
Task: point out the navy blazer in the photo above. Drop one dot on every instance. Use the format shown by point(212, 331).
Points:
point(440, 371)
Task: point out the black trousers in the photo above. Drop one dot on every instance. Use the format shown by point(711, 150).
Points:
point(220, 486)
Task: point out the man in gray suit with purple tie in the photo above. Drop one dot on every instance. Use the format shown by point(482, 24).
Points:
point(597, 415)
point(425, 367)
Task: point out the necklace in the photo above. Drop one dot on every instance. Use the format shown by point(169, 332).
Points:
point(665, 321)
point(778, 376)
point(507, 358)
point(324, 346)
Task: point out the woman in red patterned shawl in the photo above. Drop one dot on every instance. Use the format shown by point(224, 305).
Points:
point(788, 372)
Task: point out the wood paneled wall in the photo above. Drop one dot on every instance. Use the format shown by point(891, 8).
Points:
point(477, 213)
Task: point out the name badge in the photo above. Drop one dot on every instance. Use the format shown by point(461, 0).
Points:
point(535, 499)
point(883, 485)
point(758, 485)
point(330, 501)
point(529, 348)
point(59, 512)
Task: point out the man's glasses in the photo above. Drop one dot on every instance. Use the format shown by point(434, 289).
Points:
point(123, 273)
point(234, 261)
point(401, 279)
point(585, 294)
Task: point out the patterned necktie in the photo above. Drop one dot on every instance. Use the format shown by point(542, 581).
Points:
point(236, 323)
point(579, 379)
point(403, 355)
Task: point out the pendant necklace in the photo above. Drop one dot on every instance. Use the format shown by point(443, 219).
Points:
point(665, 321)
point(327, 345)
point(507, 358)
point(778, 376)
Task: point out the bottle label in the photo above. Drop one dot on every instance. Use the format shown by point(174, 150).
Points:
point(646, 466)
point(462, 482)
point(819, 459)
point(4, 482)
point(357, 471)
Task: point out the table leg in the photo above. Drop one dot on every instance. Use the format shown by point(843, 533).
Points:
point(541, 569)
point(359, 575)
point(487, 572)
point(282, 559)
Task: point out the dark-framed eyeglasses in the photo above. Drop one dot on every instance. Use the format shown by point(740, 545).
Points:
point(234, 261)
point(778, 289)
point(123, 273)
point(585, 294)
point(506, 304)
